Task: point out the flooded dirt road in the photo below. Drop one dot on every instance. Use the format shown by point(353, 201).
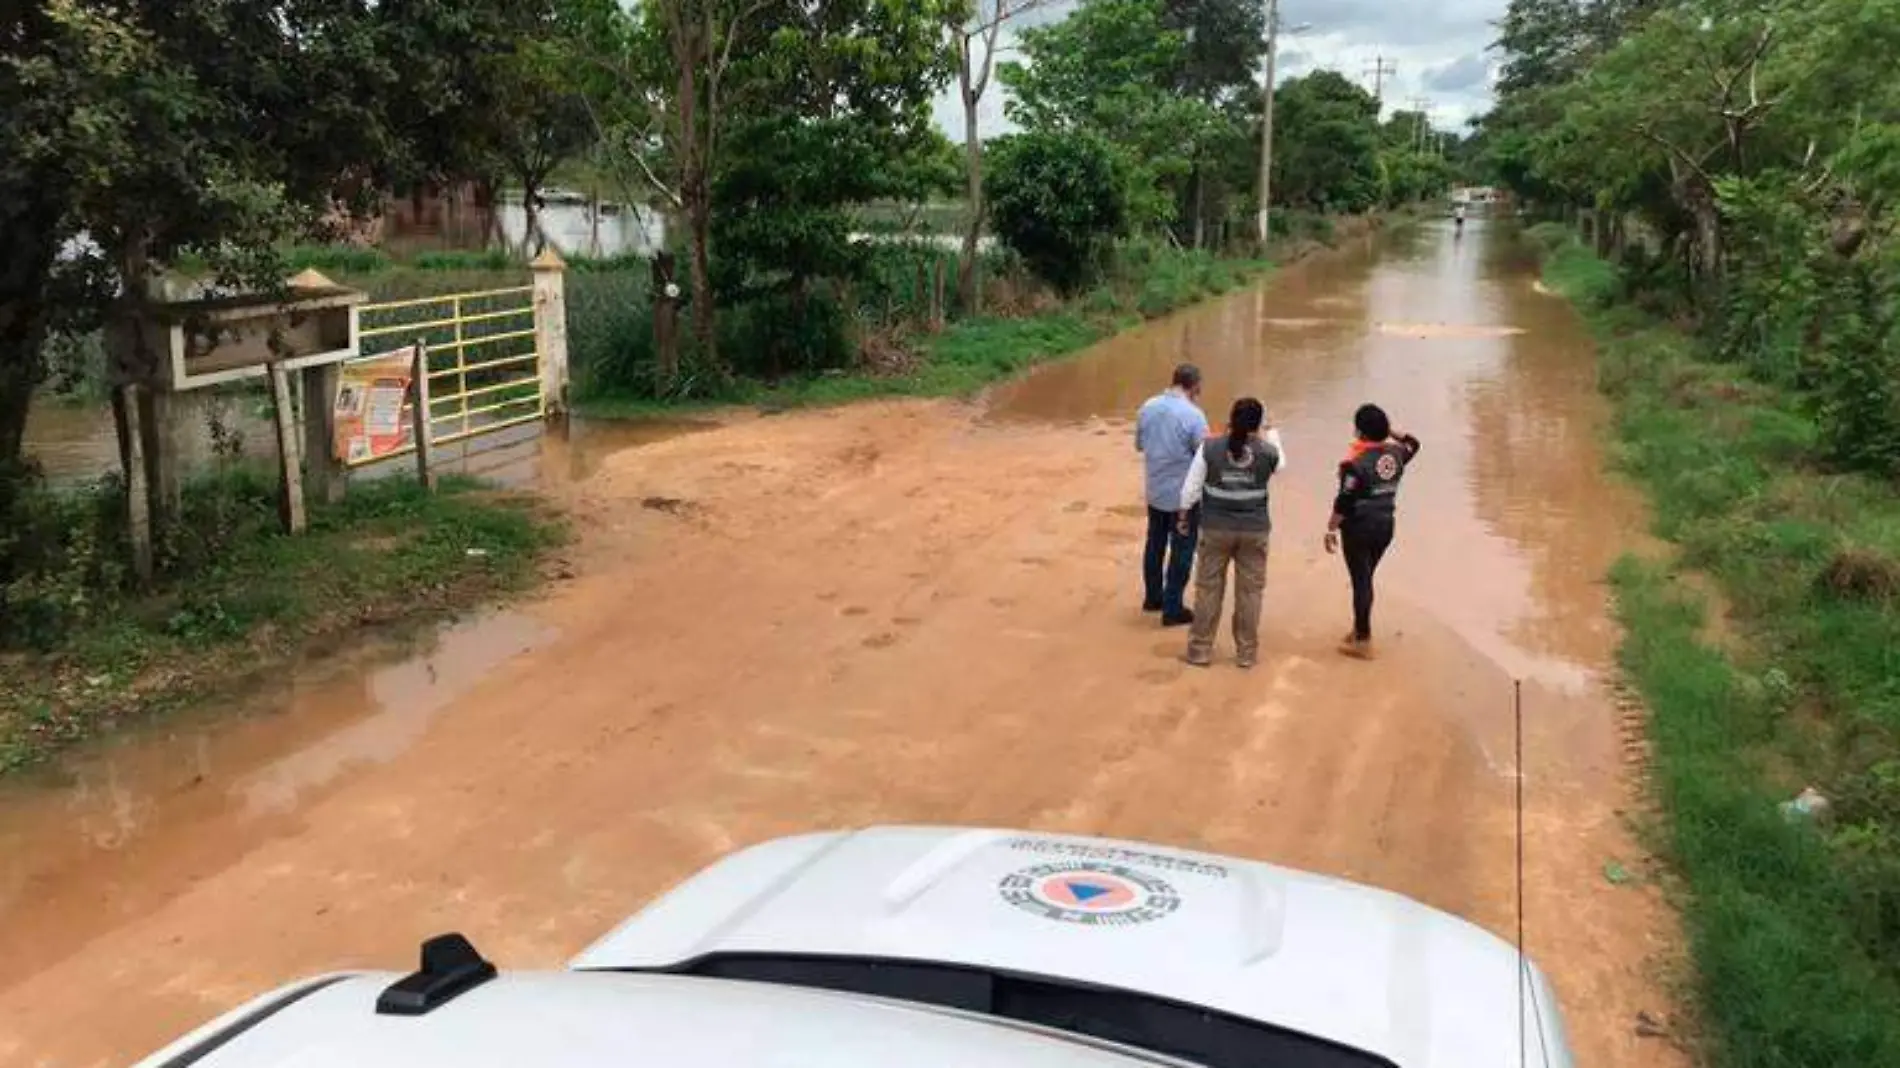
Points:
point(921, 612)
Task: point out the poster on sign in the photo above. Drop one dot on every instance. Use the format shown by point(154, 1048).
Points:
point(371, 400)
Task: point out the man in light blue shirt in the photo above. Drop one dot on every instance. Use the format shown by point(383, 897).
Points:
point(1168, 434)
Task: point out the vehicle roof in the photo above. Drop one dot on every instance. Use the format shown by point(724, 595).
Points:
point(565, 1020)
point(1361, 967)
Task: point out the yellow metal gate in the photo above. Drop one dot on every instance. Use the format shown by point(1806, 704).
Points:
point(483, 364)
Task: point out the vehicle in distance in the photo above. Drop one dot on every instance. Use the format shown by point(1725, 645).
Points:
point(931, 946)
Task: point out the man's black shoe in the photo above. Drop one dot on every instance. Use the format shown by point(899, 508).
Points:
point(1151, 606)
point(1178, 619)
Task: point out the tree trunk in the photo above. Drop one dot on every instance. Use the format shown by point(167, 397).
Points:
point(696, 184)
point(489, 218)
point(593, 220)
point(143, 355)
point(1708, 247)
point(700, 208)
point(22, 338)
point(26, 267)
point(531, 223)
point(969, 285)
point(666, 336)
point(18, 357)
point(1200, 206)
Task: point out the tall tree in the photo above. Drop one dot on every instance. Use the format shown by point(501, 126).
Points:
point(832, 107)
point(1225, 43)
point(1112, 69)
point(539, 117)
point(1325, 144)
point(132, 132)
point(975, 35)
point(698, 40)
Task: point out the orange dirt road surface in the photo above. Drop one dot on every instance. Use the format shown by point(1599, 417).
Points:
point(922, 612)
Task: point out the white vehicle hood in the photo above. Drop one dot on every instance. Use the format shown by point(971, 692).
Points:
point(564, 1020)
point(1360, 967)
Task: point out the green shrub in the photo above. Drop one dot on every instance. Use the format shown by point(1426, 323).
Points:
point(408, 283)
point(1580, 275)
point(627, 262)
point(61, 561)
point(897, 280)
point(1856, 374)
point(609, 327)
point(76, 365)
point(780, 335)
point(338, 259)
point(1301, 225)
point(462, 260)
point(1057, 201)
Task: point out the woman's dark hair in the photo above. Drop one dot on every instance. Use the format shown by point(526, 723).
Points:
point(1244, 423)
point(1371, 423)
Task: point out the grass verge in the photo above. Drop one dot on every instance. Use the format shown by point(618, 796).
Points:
point(389, 556)
point(1794, 926)
point(968, 354)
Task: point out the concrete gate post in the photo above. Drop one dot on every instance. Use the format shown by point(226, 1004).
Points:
point(550, 328)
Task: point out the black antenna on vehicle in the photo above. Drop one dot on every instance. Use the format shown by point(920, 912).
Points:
point(1517, 773)
point(1524, 988)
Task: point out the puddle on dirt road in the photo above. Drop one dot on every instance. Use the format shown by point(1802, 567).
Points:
point(1508, 522)
point(131, 822)
point(76, 443)
point(530, 456)
point(123, 825)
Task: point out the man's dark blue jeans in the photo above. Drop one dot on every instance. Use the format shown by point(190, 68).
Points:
point(1168, 561)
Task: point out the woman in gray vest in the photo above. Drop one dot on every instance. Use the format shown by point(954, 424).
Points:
point(1228, 478)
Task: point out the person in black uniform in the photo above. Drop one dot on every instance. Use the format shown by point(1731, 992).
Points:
point(1365, 510)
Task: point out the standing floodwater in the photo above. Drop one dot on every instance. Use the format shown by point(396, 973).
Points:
point(1508, 523)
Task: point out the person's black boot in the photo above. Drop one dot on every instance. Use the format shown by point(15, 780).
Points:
point(1177, 619)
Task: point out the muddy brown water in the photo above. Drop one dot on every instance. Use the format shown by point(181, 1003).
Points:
point(74, 444)
point(1508, 526)
point(917, 612)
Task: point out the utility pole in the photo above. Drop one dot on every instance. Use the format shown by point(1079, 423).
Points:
point(1379, 70)
point(1422, 107)
point(1263, 221)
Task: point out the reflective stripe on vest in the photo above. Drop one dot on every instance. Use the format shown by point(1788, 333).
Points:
point(1235, 493)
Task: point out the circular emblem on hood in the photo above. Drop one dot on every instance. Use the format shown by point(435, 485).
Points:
point(1104, 895)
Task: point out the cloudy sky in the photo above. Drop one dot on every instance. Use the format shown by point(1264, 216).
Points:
point(1437, 45)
